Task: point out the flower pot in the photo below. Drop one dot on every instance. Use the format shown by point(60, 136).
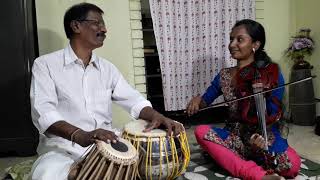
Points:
point(301, 64)
point(301, 99)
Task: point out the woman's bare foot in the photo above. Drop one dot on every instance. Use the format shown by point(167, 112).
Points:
point(273, 177)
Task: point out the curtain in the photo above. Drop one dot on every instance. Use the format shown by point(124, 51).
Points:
point(192, 38)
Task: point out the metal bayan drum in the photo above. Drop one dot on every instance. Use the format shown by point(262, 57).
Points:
point(160, 157)
point(114, 161)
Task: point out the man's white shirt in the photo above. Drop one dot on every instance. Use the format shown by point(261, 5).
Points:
point(62, 88)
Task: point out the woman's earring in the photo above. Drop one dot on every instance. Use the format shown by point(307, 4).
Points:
point(254, 50)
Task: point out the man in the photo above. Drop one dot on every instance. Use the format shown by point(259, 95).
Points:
point(71, 95)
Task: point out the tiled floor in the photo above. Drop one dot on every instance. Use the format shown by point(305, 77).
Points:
point(302, 138)
point(9, 161)
point(305, 141)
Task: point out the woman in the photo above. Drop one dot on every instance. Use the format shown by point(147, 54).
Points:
point(239, 147)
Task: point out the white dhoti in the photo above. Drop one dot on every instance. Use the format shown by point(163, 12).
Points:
point(52, 166)
point(56, 157)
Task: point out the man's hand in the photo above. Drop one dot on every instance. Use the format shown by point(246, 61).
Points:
point(156, 119)
point(171, 125)
point(79, 136)
point(84, 138)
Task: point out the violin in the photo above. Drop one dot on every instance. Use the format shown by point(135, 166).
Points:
point(252, 79)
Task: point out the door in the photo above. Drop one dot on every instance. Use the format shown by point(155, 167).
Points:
point(18, 49)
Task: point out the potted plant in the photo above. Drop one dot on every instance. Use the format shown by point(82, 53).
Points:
point(301, 95)
point(301, 45)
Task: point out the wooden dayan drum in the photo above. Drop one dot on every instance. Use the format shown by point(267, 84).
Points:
point(160, 157)
point(113, 161)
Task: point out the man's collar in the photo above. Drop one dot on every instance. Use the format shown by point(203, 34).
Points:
point(70, 57)
point(95, 60)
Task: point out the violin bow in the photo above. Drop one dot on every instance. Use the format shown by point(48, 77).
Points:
point(254, 94)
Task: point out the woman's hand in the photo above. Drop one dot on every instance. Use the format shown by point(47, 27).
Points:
point(194, 105)
point(257, 141)
point(84, 138)
point(257, 87)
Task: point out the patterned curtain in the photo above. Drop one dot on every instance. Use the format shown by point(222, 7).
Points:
point(192, 38)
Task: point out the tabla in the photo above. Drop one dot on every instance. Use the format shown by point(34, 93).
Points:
point(160, 157)
point(114, 161)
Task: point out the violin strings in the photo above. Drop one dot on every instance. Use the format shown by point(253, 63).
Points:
point(261, 114)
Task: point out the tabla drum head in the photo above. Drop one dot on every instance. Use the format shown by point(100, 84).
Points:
point(136, 128)
point(122, 151)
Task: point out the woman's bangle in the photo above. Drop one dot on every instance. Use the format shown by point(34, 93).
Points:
point(73, 135)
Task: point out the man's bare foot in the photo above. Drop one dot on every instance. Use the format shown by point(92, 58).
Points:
point(273, 177)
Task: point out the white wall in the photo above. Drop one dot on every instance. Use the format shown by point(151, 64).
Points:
point(307, 15)
point(282, 19)
point(277, 20)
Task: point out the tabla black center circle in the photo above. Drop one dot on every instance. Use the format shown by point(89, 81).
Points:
point(119, 146)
